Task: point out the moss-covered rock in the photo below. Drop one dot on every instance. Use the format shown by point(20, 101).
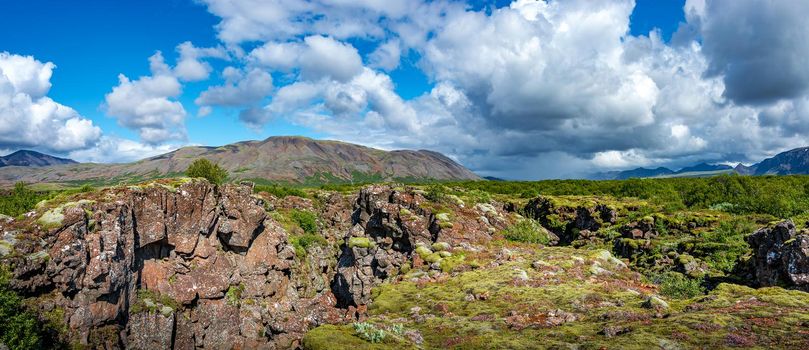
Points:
point(52, 218)
point(361, 242)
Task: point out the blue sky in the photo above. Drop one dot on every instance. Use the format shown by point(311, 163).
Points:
point(384, 73)
point(91, 44)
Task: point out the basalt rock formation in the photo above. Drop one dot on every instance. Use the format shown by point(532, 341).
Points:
point(185, 267)
point(392, 230)
point(569, 223)
point(190, 265)
point(781, 256)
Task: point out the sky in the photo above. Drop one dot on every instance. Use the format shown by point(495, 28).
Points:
point(523, 89)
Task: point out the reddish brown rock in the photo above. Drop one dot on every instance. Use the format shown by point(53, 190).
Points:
point(216, 324)
point(151, 331)
point(242, 216)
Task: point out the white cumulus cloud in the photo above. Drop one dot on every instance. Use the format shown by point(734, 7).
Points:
point(240, 88)
point(29, 118)
point(148, 104)
point(538, 88)
point(190, 66)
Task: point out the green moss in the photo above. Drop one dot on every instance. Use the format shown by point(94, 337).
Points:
point(443, 217)
point(451, 262)
point(405, 268)
point(433, 258)
point(361, 242)
point(423, 251)
point(440, 246)
point(336, 337)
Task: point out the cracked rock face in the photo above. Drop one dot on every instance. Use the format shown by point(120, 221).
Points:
point(383, 237)
point(192, 265)
point(161, 267)
point(781, 255)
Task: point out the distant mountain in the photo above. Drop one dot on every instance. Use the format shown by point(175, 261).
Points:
point(704, 167)
point(742, 169)
point(794, 161)
point(604, 175)
point(492, 178)
point(282, 159)
point(643, 172)
point(32, 159)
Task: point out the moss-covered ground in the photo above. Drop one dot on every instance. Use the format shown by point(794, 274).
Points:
point(521, 297)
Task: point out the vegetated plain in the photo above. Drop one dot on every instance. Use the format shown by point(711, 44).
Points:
point(544, 280)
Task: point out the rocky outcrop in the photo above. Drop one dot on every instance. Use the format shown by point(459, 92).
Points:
point(394, 230)
point(382, 239)
point(162, 266)
point(781, 256)
point(568, 221)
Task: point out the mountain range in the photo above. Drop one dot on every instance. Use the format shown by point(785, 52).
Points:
point(292, 159)
point(288, 159)
point(791, 162)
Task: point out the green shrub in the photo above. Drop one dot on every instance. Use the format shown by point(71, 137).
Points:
point(527, 231)
point(436, 193)
point(303, 242)
point(280, 191)
point(21, 200)
point(678, 286)
point(780, 196)
point(478, 196)
point(19, 328)
point(722, 247)
point(234, 294)
point(306, 220)
point(369, 332)
point(203, 168)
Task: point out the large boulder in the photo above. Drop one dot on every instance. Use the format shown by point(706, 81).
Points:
point(781, 256)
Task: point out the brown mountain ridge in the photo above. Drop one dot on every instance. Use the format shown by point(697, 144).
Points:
point(290, 159)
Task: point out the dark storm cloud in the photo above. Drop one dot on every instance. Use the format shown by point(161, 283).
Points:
point(760, 47)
